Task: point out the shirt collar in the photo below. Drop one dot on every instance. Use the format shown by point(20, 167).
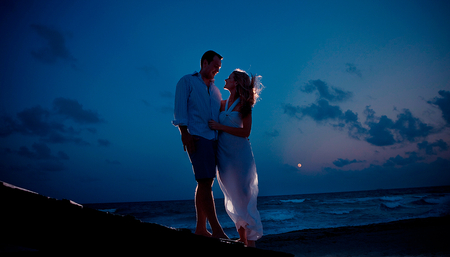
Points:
point(198, 75)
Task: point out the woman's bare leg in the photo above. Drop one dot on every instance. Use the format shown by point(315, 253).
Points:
point(242, 235)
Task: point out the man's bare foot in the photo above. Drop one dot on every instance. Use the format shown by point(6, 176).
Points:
point(220, 235)
point(203, 233)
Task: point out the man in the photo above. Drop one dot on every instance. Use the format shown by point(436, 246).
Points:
point(197, 100)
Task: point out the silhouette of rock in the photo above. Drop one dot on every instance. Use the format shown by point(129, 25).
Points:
point(33, 224)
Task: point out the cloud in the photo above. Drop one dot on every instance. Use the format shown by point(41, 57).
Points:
point(290, 110)
point(62, 138)
point(378, 131)
point(40, 151)
point(430, 148)
point(324, 92)
point(52, 166)
point(415, 174)
point(401, 161)
point(55, 47)
point(103, 142)
point(343, 162)
point(62, 155)
point(35, 121)
point(351, 68)
point(50, 125)
point(355, 128)
point(410, 127)
point(443, 103)
point(274, 133)
point(43, 156)
point(321, 111)
point(74, 110)
point(384, 131)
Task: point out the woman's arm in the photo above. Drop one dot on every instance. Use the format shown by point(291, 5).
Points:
point(240, 132)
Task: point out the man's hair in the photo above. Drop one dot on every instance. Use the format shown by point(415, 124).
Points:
point(209, 56)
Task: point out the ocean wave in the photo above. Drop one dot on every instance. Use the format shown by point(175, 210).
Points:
point(276, 215)
point(293, 201)
point(339, 212)
point(349, 200)
point(391, 198)
point(423, 202)
point(108, 210)
point(444, 199)
point(391, 206)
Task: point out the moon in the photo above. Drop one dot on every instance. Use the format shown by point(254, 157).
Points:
point(299, 165)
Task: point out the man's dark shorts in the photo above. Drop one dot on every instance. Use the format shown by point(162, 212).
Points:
point(204, 158)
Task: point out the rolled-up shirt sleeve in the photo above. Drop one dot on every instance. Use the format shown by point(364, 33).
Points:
point(181, 103)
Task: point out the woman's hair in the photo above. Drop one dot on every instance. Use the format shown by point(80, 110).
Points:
point(248, 89)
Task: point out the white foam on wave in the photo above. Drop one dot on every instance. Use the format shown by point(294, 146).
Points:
point(339, 212)
point(349, 200)
point(108, 210)
point(293, 201)
point(391, 198)
point(391, 205)
point(276, 215)
point(438, 200)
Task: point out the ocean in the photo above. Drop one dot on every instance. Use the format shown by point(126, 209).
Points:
point(287, 213)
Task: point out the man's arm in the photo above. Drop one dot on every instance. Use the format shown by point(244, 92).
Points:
point(181, 104)
point(181, 115)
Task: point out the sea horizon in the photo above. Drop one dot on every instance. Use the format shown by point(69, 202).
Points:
point(286, 213)
point(274, 195)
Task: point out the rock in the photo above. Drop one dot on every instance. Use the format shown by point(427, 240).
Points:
point(47, 226)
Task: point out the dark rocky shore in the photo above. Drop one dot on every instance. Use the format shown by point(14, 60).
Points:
point(33, 224)
point(413, 238)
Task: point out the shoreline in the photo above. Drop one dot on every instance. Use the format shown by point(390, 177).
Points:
point(412, 237)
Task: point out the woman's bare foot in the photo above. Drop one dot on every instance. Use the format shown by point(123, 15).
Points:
point(251, 243)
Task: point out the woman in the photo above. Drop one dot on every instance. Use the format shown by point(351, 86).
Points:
point(237, 171)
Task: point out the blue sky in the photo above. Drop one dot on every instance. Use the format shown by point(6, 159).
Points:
point(358, 92)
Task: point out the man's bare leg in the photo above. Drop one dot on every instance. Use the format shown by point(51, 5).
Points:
point(201, 216)
point(206, 210)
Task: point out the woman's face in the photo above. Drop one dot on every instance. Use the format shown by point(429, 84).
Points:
point(230, 84)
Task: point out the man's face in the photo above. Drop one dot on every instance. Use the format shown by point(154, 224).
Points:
point(212, 68)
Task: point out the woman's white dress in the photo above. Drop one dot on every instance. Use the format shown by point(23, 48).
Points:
point(237, 176)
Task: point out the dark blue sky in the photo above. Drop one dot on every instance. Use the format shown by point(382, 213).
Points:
point(358, 92)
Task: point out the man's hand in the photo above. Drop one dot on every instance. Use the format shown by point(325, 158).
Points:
point(188, 140)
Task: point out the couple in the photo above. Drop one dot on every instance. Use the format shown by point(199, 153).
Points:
point(214, 133)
